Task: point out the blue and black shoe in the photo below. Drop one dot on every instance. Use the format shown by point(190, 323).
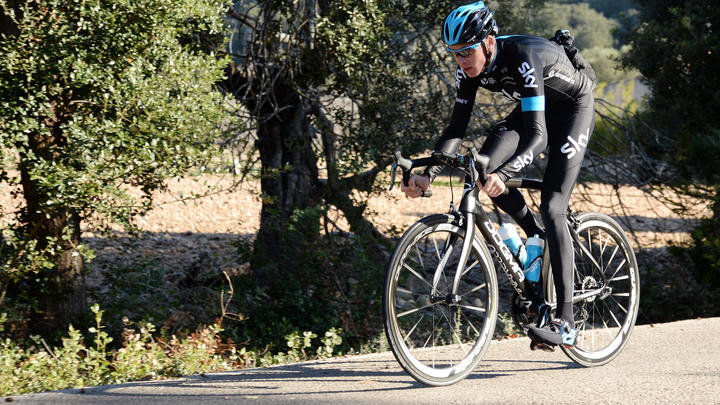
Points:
point(558, 332)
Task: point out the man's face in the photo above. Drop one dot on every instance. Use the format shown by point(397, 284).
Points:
point(474, 62)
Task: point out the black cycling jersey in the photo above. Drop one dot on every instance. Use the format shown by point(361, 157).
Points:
point(532, 70)
point(537, 73)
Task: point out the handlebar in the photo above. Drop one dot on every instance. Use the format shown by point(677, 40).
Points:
point(474, 163)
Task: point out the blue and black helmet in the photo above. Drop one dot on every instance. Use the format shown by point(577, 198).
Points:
point(470, 23)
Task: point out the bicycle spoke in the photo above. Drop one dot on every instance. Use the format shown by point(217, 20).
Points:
point(483, 285)
point(419, 255)
point(472, 325)
point(593, 323)
point(612, 256)
point(453, 330)
point(460, 343)
point(437, 251)
point(429, 337)
point(400, 315)
point(607, 329)
point(469, 267)
point(618, 304)
point(406, 338)
point(406, 291)
point(619, 278)
point(417, 275)
point(618, 268)
point(472, 308)
point(601, 249)
point(610, 311)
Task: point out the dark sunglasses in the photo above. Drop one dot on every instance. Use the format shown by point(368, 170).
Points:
point(464, 52)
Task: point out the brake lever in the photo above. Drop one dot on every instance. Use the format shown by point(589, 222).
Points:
point(406, 165)
point(394, 174)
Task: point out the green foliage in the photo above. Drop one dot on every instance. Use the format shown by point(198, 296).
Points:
point(590, 28)
point(373, 53)
point(595, 34)
point(132, 97)
point(677, 49)
point(358, 42)
point(672, 291)
point(614, 9)
point(334, 282)
point(676, 46)
point(133, 290)
point(506, 327)
point(98, 96)
point(141, 356)
point(606, 63)
point(515, 16)
point(703, 250)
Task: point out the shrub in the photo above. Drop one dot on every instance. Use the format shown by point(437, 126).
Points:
point(142, 356)
point(336, 281)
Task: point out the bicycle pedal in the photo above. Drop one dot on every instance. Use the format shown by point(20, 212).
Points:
point(535, 346)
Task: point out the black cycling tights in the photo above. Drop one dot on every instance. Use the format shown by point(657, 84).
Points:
point(569, 129)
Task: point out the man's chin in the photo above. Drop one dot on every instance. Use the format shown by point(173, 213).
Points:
point(471, 72)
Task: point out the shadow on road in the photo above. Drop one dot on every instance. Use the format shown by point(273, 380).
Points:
point(299, 380)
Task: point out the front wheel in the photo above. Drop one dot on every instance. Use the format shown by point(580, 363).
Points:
point(604, 321)
point(438, 335)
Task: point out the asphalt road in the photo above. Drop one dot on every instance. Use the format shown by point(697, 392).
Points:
point(673, 363)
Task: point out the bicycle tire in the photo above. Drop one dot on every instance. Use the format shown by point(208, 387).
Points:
point(604, 322)
point(439, 343)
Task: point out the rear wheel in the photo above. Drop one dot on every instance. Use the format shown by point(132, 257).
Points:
point(605, 321)
point(436, 335)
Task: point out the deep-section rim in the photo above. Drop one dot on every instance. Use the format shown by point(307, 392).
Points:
point(413, 366)
point(613, 349)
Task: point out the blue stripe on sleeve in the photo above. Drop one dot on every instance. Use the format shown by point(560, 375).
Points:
point(533, 103)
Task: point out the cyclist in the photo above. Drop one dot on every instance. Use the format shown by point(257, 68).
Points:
point(555, 111)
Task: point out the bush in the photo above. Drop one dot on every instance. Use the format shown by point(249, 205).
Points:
point(142, 356)
point(331, 280)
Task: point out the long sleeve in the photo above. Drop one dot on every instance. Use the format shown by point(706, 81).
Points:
point(462, 111)
point(532, 104)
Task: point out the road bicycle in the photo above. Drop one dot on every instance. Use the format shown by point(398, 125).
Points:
point(440, 297)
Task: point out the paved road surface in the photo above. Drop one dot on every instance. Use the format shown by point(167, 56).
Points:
point(673, 363)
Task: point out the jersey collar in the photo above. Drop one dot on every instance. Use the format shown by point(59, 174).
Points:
point(493, 59)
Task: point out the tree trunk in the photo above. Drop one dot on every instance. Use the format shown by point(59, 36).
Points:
point(60, 292)
point(7, 26)
point(289, 182)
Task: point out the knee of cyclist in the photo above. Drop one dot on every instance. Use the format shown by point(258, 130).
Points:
point(551, 211)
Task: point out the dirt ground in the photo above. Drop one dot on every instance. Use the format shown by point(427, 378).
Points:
point(180, 233)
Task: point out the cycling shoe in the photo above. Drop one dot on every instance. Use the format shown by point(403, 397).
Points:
point(558, 332)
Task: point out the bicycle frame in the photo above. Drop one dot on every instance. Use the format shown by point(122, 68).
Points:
point(474, 215)
point(471, 214)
